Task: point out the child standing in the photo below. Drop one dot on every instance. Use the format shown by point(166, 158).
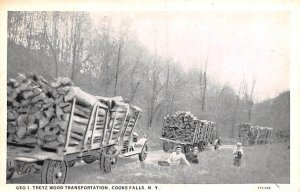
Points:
point(237, 154)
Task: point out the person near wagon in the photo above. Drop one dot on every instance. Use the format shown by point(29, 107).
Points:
point(176, 158)
point(193, 156)
point(237, 155)
point(217, 143)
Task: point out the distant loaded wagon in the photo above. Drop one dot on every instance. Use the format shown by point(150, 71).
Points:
point(253, 134)
point(282, 135)
point(109, 134)
point(186, 130)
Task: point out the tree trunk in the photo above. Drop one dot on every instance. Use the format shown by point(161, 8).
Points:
point(204, 90)
point(250, 103)
point(134, 91)
point(117, 70)
point(167, 95)
point(234, 114)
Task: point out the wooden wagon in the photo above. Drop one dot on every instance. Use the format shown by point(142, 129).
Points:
point(204, 134)
point(107, 136)
point(252, 134)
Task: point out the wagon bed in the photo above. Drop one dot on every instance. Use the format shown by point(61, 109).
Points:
point(108, 129)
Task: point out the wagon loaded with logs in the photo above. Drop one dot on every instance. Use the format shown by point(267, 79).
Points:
point(282, 135)
point(184, 129)
point(253, 134)
point(51, 126)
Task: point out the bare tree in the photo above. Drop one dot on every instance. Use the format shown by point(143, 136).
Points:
point(117, 67)
point(251, 100)
point(235, 112)
point(248, 99)
point(51, 43)
point(154, 89)
point(76, 38)
point(204, 86)
point(135, 84)
point(167, 95)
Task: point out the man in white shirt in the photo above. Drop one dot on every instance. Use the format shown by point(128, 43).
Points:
point(178, 158)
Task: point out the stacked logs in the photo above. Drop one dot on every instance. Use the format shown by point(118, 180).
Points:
point(180, 126)
point(282, 135)
point(38, 112)
point(254, 134)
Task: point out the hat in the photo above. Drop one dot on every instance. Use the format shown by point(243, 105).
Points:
point(238, 144)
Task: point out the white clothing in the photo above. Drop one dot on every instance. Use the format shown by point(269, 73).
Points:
point(176, 159)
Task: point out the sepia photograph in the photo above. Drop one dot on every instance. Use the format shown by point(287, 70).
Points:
point(121, 98)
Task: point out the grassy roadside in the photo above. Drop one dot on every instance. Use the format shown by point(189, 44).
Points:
point(261, 164)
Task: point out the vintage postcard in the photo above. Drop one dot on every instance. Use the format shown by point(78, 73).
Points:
point(150, 95)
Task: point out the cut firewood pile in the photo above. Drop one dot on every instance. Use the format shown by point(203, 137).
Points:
point(180, 126)
point(254, 134)
point(38, 111)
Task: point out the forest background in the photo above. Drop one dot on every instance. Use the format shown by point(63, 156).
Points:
point(108, 59)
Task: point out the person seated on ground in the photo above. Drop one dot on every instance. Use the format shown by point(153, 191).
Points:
point(176, 158)
point(193, 156)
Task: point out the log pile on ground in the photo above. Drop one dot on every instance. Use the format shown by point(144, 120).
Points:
point(180, 126)
point(38, 111)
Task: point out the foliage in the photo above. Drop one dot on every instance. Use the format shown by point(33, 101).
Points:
point(107, 60)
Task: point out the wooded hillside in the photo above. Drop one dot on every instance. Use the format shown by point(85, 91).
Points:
point(106, 61)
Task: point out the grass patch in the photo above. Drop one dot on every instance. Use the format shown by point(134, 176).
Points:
point(260, 164)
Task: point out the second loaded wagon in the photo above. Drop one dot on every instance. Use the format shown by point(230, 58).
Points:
point(186, 130)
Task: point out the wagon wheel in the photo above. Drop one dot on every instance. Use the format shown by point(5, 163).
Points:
point(10, 169)
point(201, 145)
point(243, 141)
point(144, 152)
point(166, 146)
point(54, 172)
point(89, 159)
point(71, 163)
point(171, 145)
point(101, 160)
point(108, 160)
point(250, 135)
point(188, 148)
